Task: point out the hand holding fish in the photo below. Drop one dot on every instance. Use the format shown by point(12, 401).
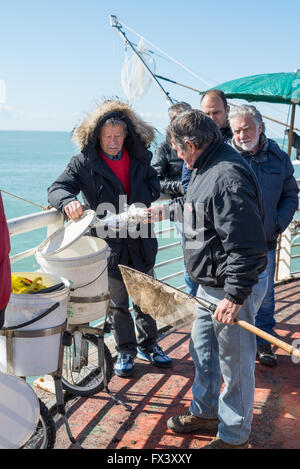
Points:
point(155, 213)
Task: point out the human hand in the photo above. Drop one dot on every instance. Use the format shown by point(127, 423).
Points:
point(155, 213)
point(226, 312)
point(74, 210)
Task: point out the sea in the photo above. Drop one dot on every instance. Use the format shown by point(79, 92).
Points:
point(30, 162)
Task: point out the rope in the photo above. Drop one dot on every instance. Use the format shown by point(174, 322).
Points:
point(24, 200)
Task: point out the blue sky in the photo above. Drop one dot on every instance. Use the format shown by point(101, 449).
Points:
point(60, 58)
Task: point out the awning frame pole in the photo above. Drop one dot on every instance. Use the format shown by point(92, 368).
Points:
point(291, 128)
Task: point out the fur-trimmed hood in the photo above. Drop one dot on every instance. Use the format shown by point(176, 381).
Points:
point(85, 135)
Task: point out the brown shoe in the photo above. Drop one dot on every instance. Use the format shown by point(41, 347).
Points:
point(187, 423)
point(217, 443)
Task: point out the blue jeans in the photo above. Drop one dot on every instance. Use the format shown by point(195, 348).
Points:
point(265, 316)
point(191, 286)
point(219, 350)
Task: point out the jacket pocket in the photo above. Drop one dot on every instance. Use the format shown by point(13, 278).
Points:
point(270, 178)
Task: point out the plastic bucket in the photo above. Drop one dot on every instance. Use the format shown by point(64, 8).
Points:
point(84, 264)
point(32, 356)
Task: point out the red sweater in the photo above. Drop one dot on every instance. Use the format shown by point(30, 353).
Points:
point(5, 272)
point(120, 168)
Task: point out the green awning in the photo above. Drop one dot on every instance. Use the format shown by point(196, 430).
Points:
point(270, 87)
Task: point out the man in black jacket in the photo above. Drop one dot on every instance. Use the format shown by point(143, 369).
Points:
point(225, 252)
point(214, 105)
point(114, 167)
point(166, 162)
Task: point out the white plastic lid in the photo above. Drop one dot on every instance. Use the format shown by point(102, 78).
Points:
point(67, 234)
point(19, 412)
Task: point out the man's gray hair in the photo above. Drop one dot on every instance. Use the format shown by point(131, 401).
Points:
point(178, 108)
point(195, 127)
point(247, 110)
point(116, 121)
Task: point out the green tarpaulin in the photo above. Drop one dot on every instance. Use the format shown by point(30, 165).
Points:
point(270, 87)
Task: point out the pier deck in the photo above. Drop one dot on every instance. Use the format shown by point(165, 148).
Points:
point(156, 394)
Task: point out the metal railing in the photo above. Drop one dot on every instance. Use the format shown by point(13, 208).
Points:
point(52, 220)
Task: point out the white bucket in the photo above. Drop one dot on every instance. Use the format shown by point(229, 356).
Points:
point(33, 356)
point(84, 264)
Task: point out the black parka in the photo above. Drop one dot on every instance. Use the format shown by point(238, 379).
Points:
point(89, 174)
point(169, 169)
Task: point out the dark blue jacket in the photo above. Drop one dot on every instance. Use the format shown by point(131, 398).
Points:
point(279, 188)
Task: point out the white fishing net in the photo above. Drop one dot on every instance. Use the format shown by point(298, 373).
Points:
point(135, 79)
point(163, 302)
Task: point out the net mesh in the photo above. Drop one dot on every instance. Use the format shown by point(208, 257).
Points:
point(135, 79)
point(163, 302)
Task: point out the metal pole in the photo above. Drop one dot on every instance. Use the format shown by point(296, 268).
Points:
point(291, 129)
point(114, 22)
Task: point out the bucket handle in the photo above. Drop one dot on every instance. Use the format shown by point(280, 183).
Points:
point(82, 286)
point(45, 313)
point(55, 288)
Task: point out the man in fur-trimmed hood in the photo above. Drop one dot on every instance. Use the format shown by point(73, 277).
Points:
point(114, 168)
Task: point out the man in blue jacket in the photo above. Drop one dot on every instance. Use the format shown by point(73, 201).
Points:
point(274, 172)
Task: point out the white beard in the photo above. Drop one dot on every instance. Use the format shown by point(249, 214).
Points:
point(249, 146)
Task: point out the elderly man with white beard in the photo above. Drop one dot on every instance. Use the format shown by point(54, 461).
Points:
point(274, 172)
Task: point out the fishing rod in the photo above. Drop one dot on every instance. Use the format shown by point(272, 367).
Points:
point(115, 23)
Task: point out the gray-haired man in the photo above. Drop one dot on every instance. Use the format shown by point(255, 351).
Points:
point(274, 172)
point(225, 252)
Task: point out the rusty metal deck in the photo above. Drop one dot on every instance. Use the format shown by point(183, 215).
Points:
point(156, 394)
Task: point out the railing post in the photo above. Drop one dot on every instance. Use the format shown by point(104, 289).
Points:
point(283, 267)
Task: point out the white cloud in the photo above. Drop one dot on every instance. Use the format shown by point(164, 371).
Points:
point(10, 112)
point(15, 113)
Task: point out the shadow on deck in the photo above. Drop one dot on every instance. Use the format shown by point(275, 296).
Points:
point(156, 394)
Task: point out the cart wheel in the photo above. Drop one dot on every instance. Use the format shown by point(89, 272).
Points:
point(45, 434)
point(81, 369)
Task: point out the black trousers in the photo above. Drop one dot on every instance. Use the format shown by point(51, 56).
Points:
point(123, 323)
